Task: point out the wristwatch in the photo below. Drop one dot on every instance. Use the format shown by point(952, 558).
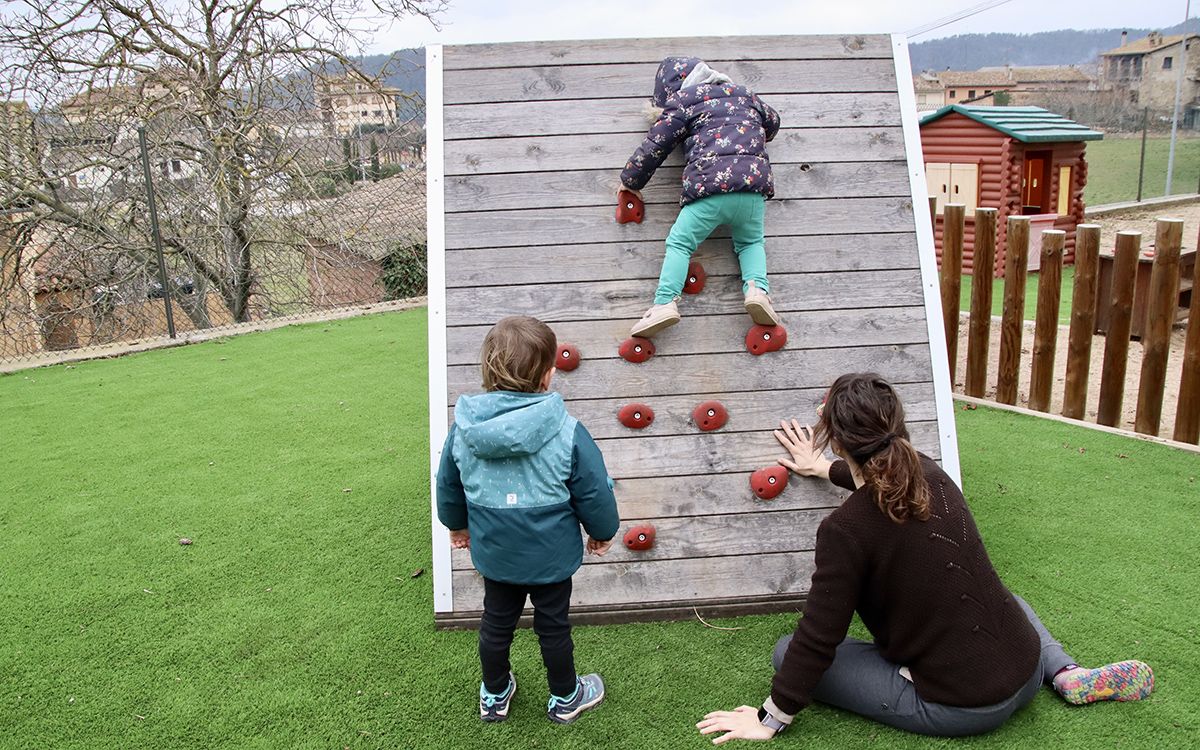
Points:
point(767, 720)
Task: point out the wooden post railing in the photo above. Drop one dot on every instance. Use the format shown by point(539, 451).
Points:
point(980, 327)
point(1160, 315)
point(1013, 321)
point(1045, 336)
point(1187, 411)
point(1116, 344)
point(1083, 320)
point(953, 225)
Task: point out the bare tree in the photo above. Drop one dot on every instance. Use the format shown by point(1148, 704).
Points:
point(228, 95)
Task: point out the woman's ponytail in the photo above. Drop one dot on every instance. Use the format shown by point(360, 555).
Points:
point(894, 474)
point(863, 414)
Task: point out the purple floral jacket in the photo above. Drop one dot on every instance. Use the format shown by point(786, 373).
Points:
point(724, 127)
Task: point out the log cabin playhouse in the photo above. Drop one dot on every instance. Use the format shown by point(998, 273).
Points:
point(1023, 161)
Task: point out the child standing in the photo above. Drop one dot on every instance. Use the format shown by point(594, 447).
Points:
point(518, 476)
point(724, 128)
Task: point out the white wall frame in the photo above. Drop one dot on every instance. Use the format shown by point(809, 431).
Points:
point(930, 284)
point(435, 197)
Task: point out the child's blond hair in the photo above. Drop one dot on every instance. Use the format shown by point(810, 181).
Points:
point(516, 354)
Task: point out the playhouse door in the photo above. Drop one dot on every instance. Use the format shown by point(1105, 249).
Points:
point(1035, 187)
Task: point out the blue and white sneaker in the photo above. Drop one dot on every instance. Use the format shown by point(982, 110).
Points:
point(589, 691)
point(493, 707)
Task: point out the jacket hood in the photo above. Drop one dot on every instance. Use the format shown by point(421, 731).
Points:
point(671, 73)
point(503, 424)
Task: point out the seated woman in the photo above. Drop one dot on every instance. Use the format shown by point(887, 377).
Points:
point(954, 652)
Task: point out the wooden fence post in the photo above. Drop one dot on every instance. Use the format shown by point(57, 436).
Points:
point(1120, 321)
point(1083, 320)
point(1187, 413)
point(981, 301)
point(1016, 258)
point(953, 225)
point(1160, 315)
point(1045, 334)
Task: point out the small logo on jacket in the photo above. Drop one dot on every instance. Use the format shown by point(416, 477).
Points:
point(511, 498)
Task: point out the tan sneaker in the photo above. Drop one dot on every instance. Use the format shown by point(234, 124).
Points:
point(758, 304)
point(657, 318)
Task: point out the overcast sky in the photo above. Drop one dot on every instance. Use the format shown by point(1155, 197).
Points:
point(470, 21)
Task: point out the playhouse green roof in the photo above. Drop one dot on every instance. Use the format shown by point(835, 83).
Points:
point(1026, 124)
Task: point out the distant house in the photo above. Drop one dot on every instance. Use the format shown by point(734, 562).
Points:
point(972, 85)
point(1146, 71)
point(352, 236)
point(928, 88)
point(351, 102)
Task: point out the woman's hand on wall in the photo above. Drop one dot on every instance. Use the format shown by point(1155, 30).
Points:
point(806, 459)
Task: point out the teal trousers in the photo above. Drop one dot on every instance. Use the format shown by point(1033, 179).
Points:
point(743, 213)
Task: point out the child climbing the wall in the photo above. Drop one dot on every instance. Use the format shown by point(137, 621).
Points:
point(725, 128)
point(518, 475)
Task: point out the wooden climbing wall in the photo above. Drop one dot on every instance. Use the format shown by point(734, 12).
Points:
point(525, 144)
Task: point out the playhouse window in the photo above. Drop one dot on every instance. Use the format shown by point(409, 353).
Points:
point(1167, 63)
point(953, 93)
point(953, 183)
point(1064, 190)
point(971, 94)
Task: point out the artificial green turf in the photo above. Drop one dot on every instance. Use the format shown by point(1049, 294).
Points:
point(1113, 168)
point(1066, 290)
point(293, 622)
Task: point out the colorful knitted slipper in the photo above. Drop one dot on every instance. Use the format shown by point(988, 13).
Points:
point(1124, 681)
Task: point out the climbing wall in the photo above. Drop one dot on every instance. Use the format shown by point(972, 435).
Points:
point(525, 144)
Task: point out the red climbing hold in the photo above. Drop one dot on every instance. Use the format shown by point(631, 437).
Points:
point(769, 482)
point(640, 538)
point(694, 284)
point(763, 339)
point(710, 415)
point(636, 416)
point(636, 349)
point(629, 208)
point(567, 358)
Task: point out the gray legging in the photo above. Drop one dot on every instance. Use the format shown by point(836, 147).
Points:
point(862, 681)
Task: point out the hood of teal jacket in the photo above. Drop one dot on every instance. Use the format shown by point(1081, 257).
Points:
point(504, 424)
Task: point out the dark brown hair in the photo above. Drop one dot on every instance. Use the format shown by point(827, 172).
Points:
point(516, 353)
point(863, 414)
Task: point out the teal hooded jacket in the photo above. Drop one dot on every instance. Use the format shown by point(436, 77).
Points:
point(521, 475)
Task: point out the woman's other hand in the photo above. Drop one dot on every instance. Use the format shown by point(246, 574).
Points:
point(805, 458)
point(739, 724)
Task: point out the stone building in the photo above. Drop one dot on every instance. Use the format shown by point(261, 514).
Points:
point(1146, 71)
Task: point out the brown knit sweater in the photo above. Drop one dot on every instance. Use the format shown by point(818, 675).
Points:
point(927, 592)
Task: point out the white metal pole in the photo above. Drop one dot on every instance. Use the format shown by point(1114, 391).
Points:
point(1187, 11)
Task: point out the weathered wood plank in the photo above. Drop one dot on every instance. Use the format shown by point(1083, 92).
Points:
point(713, 49)
point(721, 334)
point(703, 453)
point(708, 536)
point(493, 192)
point(607, 300)
point(748, 412)
point(559, 226)
point(711, 494)
point(643, 259)
point(636, 80)
point(504, 120)
point(666, 375)
point(610, 152)
point(694, 579)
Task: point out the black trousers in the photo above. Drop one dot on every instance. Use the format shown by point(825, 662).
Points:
point(502, 606)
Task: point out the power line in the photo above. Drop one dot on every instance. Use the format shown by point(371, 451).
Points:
point(953, 17)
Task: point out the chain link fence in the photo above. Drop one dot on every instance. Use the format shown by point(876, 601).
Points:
point(309, 203)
